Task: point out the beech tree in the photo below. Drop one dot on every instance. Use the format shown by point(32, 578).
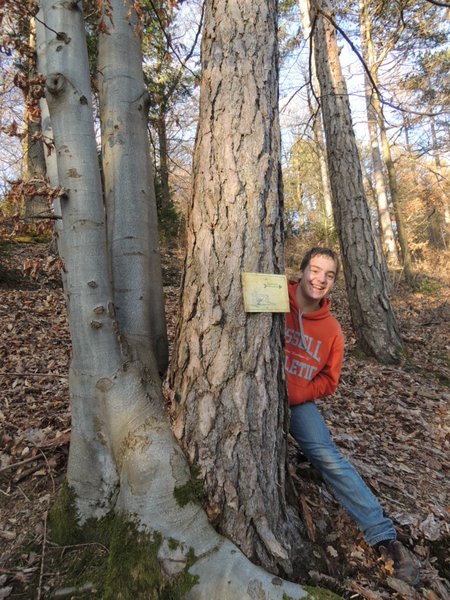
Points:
point(373, 319)
point(124, 462)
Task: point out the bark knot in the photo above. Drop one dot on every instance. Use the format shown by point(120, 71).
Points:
point(63, 37)
point(55, 83)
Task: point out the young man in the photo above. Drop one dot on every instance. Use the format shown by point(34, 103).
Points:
point(314, 353)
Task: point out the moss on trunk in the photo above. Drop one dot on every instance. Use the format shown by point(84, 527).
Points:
point(136, 564)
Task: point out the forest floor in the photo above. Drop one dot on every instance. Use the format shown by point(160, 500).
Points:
point(392, 421)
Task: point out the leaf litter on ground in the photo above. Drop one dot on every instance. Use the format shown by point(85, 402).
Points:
point(392, 422)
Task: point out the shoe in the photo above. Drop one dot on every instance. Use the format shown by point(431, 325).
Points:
point(404, 564)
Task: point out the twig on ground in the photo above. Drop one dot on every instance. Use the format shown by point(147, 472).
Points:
point(26, 473)
point(362, 591)
point(23, 493)
point(50, 543)
point(49, 469)
point(68, 592)
point(13, 374)
point(20, 463)
point(41, 573)
point(308, 519)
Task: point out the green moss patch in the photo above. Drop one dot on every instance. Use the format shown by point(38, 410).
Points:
point(192, 491)
point(318, 593)
point(112, 558)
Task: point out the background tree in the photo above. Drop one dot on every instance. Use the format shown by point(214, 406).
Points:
point(372, 316)
point(305, 211)
point(317, 128)
point(429, 86)
point(386, 230)
point(170, 82)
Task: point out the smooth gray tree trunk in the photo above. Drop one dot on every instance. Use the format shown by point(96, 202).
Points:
point(133, 241)
point(35, 166)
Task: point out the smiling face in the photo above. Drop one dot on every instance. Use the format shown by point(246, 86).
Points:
point(316, 281)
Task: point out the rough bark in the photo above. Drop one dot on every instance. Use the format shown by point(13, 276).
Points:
point(372, 316)
point(132, 237)
point(228, 374)
point(317, 124)
point(123, 455)
point(386, 230)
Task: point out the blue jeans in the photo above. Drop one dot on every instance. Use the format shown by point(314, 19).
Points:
point(312, 435)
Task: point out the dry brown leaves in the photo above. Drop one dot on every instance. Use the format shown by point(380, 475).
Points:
point(391, 421)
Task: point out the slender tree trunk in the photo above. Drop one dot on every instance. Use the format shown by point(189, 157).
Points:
point(317, 125)
point(51, 164)
point(440, 180)
point(373, 319)
point(324, 176)
point(437, 222)
point(35, 167)
point(393, 187)
point(386, 230)
point(228, 372)
point(132, 237)
point(163, 157)
point(300, 196)
point(326, 204)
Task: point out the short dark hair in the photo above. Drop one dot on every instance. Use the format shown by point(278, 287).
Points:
point(320, 251)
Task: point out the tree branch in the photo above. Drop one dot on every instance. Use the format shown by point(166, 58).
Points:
point(169, 41)
point(437, 3)
point(367, 70)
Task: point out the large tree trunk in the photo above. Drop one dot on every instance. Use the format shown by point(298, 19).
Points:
point(123, 456)
point(366, 280)
point(386, 230)
point(228, 372)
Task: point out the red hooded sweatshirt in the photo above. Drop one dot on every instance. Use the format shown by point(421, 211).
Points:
point(314, 351)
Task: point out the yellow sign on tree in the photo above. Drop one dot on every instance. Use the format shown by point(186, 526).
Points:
point(264, 292)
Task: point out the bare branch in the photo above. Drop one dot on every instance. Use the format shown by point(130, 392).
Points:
point(437, 3)
point(182, 62)
point(367, 70)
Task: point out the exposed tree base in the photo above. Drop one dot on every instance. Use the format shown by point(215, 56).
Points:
point(143, 564)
